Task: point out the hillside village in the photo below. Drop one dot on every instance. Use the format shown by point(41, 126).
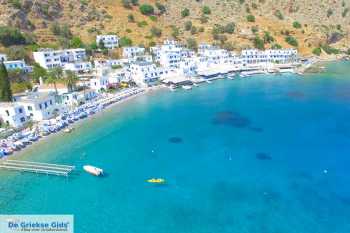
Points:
point(47, 82)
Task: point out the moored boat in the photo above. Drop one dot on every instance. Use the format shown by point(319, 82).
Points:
point(93, 170)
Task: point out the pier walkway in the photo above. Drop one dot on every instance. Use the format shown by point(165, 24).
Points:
point(35, 167)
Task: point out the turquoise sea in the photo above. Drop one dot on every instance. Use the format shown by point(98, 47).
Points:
point(239, 156)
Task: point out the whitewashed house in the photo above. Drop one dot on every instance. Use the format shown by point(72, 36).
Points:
point(254, 56)
point(13, 114)
point(145, 74)
point(17, 65)
point(100, 81)
point(78, 98)
point(170, 54)
point(129, 52)
point(78, 67)
point(109, 63)
point(49, 58)
point(39, 106)
point(109, 41)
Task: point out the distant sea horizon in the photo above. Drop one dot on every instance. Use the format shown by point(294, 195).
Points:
point(263, 154)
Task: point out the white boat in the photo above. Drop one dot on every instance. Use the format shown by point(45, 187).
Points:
point(208, 81)
point(187, 87)
point(93, 170)
point(68, 130)
point(229, 77)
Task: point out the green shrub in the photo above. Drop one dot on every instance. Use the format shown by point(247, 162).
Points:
point(185, 12)
point(230, 28)
point(161, 7)
point(292, 41)
point(250, 18)
point(259, 43)
point(188, 25)
point(296, 25)
point(146, 9)
point(345, 12)
point(76, 42)
point(126, 4)
point(317, 51)
point(279, 14)
point(125, 41)
point(191, 43)
point(329, 50)
point(268, 38)
point(329, 12)
point(156, 32)
point(153, 18)
point(12, 36)
point(142, 24)
point(255, 29)
point(135, 2)
point(206, 10)
point(175, 31)
point(131, 18)
point(16, 3)
point(194, 30)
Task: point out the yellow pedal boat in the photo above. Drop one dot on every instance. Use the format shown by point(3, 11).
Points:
point(156, 181)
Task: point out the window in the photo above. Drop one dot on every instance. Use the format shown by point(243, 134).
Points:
point(45, 105)
point(7, 112)
point(23, 119)
point(50, 102)
point(40, 106)
point(20, 110)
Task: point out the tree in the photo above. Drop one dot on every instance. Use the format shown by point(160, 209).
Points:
point(191, 43)
point(230, 28)
point(188, 25)
point(268, 38)
point(206, 10)
point(70, 80)
point(76, 42)
point(131, 18)
point(38, 72)
point(185, 12)
point(11, 36)
point(296, 25)
point(250, 18)
point(146, 9)
point(5, 86)
point(54, 75)
point(161, 8)
point(292, 41)
point(317, 51)
point(125, 41)
point(259, 43)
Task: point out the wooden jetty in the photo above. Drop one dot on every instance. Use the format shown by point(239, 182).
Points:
point(35, 167)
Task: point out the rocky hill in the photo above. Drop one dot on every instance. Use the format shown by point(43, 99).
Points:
point(312, 26)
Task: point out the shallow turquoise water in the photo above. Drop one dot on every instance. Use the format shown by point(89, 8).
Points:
point(247, 155)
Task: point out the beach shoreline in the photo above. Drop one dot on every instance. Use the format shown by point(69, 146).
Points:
point(76, 125)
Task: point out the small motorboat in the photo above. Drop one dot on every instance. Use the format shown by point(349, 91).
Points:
point(156, 181)
point(93, 170)
point(187, 87)
point(68, 130)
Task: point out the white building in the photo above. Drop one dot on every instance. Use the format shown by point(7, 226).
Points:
point(78, 67)
point(17, 65)
point(254, 56)
point(49, 58)
point(109, 41)
point(145, 74)
point(100, 81)
point(129, 52)
point(13, 114)
point(109, 63)
point(78, 98)
point(39, 106)
point(171, 53)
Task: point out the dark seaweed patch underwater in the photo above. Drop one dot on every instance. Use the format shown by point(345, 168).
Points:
point(175, 140)
point(263, 156)
point(231, 119)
